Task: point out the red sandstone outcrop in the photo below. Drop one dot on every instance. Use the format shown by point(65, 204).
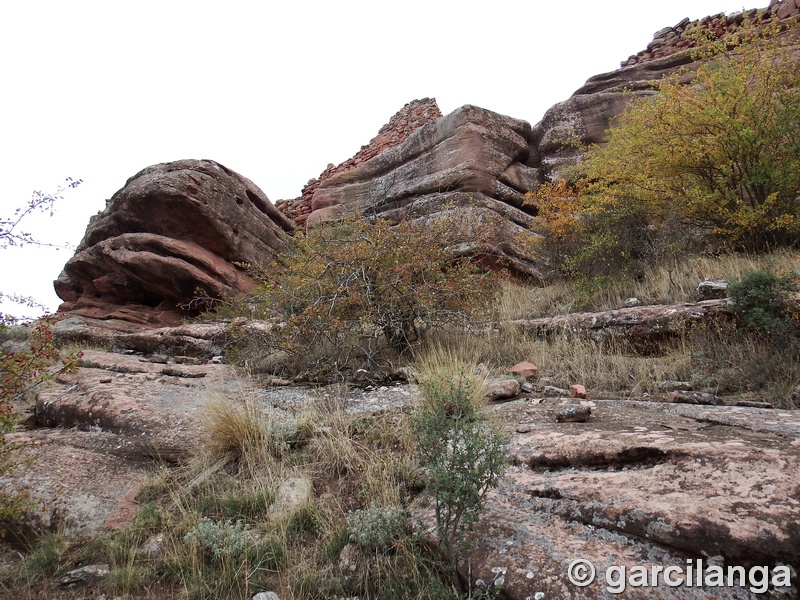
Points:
point(477, 165)
point(174, 228)
point(639, 483)
point(408, 119)
point(470, 165)
point(586, 116)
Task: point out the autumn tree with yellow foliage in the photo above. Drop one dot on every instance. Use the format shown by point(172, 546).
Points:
point(715, 161)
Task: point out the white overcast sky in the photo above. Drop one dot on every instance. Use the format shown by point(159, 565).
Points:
point(273, 90)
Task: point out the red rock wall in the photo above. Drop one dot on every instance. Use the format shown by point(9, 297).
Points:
point(411, 117)
point(670, 40)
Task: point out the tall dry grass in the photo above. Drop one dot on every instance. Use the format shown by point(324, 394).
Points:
point(665, 284)
point(569, 358)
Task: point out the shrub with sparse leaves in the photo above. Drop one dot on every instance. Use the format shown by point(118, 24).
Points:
point(352, 290)
point(462, 455)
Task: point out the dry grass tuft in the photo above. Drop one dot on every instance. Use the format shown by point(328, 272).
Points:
point(446, 371)
point(240, 431)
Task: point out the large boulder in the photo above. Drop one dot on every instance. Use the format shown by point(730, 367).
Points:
point(172, 229)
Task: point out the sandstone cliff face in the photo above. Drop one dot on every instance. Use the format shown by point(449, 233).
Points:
point(586, 116)
point(469, 165)
point(173, 228)
point(477, 165)
point(408, 119)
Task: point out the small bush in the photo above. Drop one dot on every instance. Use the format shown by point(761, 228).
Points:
point(462, 455)
point(241, 432)
point(219, 540)
point(378, 528)
point(47, 558)
point(760, 299)
point(357, 290)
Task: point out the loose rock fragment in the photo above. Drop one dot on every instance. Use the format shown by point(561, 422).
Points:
point(85, 574)
point(554, 392)
point(675, 386)
point(503, 389)
point(574, 413)
point(577, 391)
point(525, 369)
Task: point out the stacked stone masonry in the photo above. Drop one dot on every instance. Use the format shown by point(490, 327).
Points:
point(682, 36)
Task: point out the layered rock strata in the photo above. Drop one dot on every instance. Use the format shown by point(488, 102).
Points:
point(406, 121)
point(470, 166)
point(172, 229)
point(640, 483)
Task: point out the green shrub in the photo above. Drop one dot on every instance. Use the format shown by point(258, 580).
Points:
point(721, 153)
point(761, 301)
point(462, 455)
point(713, 164)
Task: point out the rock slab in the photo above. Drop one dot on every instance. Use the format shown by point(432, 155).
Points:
point(641, 483)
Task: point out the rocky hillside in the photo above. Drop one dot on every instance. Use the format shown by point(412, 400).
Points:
point(585, 117)
point(661, 477)
point(179, 227)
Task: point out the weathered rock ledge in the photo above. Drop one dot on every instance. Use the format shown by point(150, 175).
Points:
point(641, 483)
point(645, 327)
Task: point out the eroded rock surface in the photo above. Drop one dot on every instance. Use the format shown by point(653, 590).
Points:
point(585, 117)
point(641, 484)
point(100, 430)
point(406, 121)
point(647, 328)
point(637, 483)
point(174, 228)
point(157, 406)
point(81, 481)
point(470, 165)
